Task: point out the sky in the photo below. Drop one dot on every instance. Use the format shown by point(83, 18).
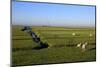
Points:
point(39, 14)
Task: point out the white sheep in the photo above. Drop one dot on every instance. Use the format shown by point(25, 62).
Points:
point(73, 34)
point(90, 35)
point(79, 45)
point(84, 46)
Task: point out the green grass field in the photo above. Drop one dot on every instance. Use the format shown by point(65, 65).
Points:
point(62, 45)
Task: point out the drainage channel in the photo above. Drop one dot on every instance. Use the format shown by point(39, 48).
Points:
point(35, 38)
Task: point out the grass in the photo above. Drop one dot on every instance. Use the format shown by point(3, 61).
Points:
point(62, 45)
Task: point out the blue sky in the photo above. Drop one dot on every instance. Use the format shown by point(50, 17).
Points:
point(29, 13)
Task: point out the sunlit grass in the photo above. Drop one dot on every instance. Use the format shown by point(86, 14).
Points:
point(61, 42)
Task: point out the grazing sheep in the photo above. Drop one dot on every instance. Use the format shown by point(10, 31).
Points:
point(73, 34)
point(79, 45)
point(90, 35)
point(84, 46)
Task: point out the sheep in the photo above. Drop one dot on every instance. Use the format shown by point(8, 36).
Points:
point(90, 35)
point(73, 34)
point(79, 45)
point(84, 46)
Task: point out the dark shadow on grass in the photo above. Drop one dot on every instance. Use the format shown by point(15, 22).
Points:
point(41, 46)
point(92, 43)
point(71, 45)
point(58, 46)
point(94, 48)
point(25, 49)
point(38, 48)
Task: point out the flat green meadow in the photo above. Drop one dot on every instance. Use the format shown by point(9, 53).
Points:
point(62, 45)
